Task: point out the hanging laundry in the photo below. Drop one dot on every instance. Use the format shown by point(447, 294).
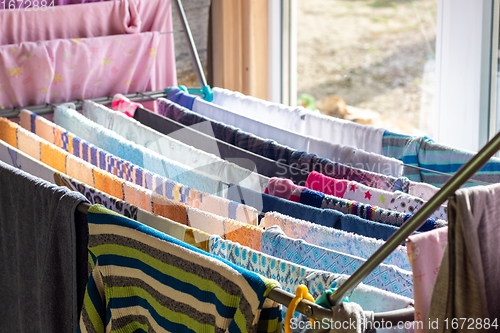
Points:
point(129, 172)
point(203, 291)
point(40, 216)
point(170, 148)
point(301, 120)
point(106, 139)
point(325, 217)
point(291, 275)
point(386, 277)
point(374, 213)
point(284, 188)
point(467, 281)
point(262, 127)
point(232, 144)
point(298, 159)
point(64, 69)
point(396, 201)
point(425, 251)
point(20, 160)
point(424, 152)
point(97, 178)
point(334, 239)
point(107, 18)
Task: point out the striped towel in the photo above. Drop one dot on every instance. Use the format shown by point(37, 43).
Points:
point(21, 160)
point(425, 153)
point(108, 140)
point(143, 280)
point(132, 193)
point(130, 172)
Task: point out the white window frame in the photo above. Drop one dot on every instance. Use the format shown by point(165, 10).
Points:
point(466, 71)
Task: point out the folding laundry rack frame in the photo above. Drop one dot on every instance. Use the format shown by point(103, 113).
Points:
point(308, 308)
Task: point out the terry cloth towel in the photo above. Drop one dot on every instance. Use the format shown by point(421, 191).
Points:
point(201, 135)
point(290, 136)
point(20, 160)
point(291, 157)
point(107, 18)
point(386, 277)
point(326, 217)
point(291, 275)
point(467, 282)
point(74, 68)
point(334, 239)
point(147, 280)
point(97, 178)
point(43, 271)
point(425, 153)
point(108, 140)
point(301, 120)
point(130, 172)
point(171, 148)
point(373, 213)
point(245, 234)
point(425, 251)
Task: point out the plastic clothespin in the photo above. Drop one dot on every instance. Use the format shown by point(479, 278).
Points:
point(324, 299)
point(301, 293)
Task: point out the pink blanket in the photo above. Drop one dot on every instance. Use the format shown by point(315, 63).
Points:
point(100, 19)
point(67, 69)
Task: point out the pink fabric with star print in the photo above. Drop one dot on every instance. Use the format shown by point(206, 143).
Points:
point(425, 252)
point(327, 185)
point(62, 70)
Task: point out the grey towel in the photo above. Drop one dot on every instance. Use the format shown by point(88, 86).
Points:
point(38, 254)
point(467, 283)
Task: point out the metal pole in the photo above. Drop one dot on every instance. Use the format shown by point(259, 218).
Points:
point(464, 173)
point(49, 108)
point(192, 46)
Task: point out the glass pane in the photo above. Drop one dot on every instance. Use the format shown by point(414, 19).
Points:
point(371, 61)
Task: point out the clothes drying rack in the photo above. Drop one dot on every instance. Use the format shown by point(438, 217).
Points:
point(318, 312)
point(308, 308)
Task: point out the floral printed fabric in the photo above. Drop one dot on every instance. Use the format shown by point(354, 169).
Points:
point(386, 277)
point(334, 239)
point(61, 70)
